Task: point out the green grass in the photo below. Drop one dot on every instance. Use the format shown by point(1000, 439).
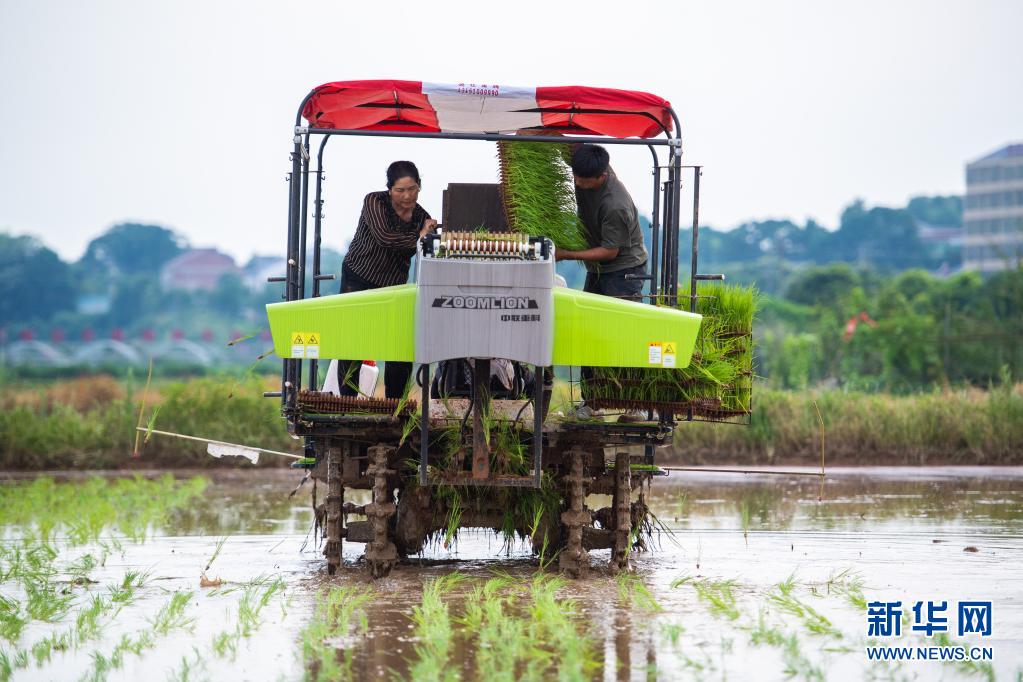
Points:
point(957, 426)
point(49, 434)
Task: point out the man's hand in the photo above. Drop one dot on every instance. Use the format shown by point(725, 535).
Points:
point(428, 226)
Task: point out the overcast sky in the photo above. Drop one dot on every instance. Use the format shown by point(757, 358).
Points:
point(180, 113)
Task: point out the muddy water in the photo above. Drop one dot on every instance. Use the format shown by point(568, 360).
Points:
point(938, 534)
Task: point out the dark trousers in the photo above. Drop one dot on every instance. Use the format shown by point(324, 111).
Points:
point(612, 284)
point(396, 374)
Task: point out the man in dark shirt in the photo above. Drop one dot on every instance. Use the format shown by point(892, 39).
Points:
point(616, 243)
point(612, 227)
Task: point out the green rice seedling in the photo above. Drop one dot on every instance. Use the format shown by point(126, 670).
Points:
point(763, 633)
point(172, 615)
point(124, 593)
point(719, 597)
point(534, 529)
point(252, 604)
point(814, 621)
point(539, 194)
point(87, 621)
point(45, 602)
point(797, 664)
point(11, 622)
point(848, 584)
point(744, 515)
point(216, 552)
point(680, 506)
point(672, 632)
point(189, 667)
point(334, 618)
point(553, 623)
point(6, 666)
point(42, 651)
point(80, 569)
point(103, 665)
point(503, 647)
point(433, 631)
point(633, 591)
point(680, 581)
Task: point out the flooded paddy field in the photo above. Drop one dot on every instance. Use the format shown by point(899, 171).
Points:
point(221, 577)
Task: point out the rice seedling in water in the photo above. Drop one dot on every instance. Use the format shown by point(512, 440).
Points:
point(552, 622)
point(744, 514)
point(124, 593)
point(103, 665)
point(250, 606)
point(433, 631)
point(849, 585)
point(632, 590)
point(719, 597)
point(814, 621)
point(11, 622)
point(502, 645)
point(189, 666)
point(172, 615)
point(762, 633)
point(46, 602)
point(796, 662)
point(334, 618)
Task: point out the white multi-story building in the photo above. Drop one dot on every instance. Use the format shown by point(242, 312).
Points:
point(993, 215)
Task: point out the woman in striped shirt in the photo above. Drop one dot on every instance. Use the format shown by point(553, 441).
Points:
point(391, 224)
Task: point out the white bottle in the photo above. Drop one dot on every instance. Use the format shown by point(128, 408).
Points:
point(368, 374)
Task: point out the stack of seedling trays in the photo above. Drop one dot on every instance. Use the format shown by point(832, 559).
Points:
point(538, 192)
point(718, 383)
point(318, 402)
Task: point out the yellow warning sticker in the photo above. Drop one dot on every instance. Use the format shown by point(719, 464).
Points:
point(305, 345)
point(668, 354)
point(654, 353)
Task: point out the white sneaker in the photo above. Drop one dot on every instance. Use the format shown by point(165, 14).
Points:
point(632, 417)
point(584, 411)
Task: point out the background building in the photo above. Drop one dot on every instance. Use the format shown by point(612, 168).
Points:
point(993, 217)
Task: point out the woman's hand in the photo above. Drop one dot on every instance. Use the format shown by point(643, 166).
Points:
point(428, 226)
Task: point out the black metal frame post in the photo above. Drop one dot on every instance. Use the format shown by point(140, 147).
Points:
point(424, 426)
point(314, 377)
point(538, 379)
point(694, 266)
point(655, 228)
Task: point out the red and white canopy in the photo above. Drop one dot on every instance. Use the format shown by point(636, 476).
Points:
point(485, 108)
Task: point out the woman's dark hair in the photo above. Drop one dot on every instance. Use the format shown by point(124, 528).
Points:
point(402, 169)
point(590, 161)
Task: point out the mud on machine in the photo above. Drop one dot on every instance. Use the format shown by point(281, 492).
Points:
point(485, 454)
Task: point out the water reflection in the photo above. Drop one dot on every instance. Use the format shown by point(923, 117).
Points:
point(902, 531)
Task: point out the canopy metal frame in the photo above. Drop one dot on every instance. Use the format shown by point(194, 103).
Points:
point(665, 222)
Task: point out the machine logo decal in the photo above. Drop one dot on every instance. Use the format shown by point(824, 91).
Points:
point(486, 302)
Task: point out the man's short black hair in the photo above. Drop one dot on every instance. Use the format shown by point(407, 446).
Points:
point(590, 161)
